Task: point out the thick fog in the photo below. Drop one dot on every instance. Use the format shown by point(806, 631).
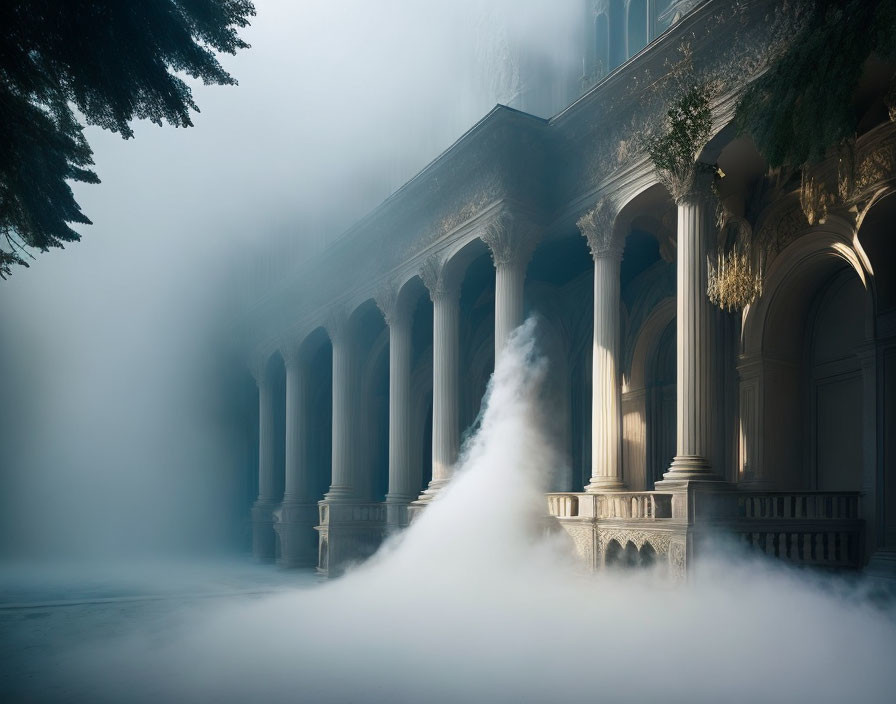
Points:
point(115, 352)
point(475, 603)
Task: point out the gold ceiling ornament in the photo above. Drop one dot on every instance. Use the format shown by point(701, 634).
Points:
point(814, 198)
point(734, 282)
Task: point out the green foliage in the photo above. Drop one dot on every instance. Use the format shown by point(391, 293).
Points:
point(802, 106)
point(112, 61)
point(686, 129)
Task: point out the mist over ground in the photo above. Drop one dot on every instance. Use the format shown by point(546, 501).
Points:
point(475, 603)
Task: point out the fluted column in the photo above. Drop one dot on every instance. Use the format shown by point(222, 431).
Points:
point(606, 391)
point(296, 487)
point(263, 508)
point(297, 515)
point(445, 294)
point(402, 487)
point(694, 315)
point(511, 241)
point(344, 412)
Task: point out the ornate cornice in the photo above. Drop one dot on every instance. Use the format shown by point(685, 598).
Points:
point(598, 226)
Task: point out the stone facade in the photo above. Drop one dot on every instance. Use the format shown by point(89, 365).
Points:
point(773, 424)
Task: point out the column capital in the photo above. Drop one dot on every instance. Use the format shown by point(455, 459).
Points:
point(258, 365)
point(511, 238)
point(598, 226)
point(396, 309)
point(291, 351)
point(700, 187)
point(440, 282)
point(337, 325)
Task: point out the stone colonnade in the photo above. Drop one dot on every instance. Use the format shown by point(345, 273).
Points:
point(511, 240)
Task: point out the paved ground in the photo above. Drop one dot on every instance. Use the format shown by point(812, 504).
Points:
point(50, 613)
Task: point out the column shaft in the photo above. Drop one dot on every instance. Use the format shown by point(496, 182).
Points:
point(693, 327)
point(266, 449)
point(510, 279)
point(606, 400)
point(445, 431)
point(400, 486)
point(296, 488)
point(343, 447)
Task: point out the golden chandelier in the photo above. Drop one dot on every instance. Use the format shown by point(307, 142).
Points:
point(733, 282)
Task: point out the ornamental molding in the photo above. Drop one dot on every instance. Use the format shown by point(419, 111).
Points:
point(598, 227)
point(511, 238)
point(659, 541)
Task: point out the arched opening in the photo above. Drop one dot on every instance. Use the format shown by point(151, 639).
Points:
point(319, 353)
point(636, 26)
point(801, 394)
point(647, 555)
point(560, 284)
point(631, 558)
point(648, 298)
point(477, 327)
point(613, 554)
point(372, 462)
point(661, 408)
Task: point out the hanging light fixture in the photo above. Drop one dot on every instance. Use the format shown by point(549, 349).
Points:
point(733, 282)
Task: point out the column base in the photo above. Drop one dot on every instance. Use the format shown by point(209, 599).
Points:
point(415, 508)
point(349, 533)
point(397, 512)
point(295, 529)
point(600, 485)
point(340, 494)
point(264, 540)
point(686, 469)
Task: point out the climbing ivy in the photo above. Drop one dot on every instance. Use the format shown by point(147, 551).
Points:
point(802, 106)
point(685, 130)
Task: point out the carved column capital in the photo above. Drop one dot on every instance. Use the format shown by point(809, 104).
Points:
point(337, 325)
point(598, 226)
point(699, 188)
point(510, 238)
point(258, 365)
point(396, 309)
point(437, 279)
point(291, 351)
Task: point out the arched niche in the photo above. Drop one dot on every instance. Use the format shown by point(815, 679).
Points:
point(802, 392)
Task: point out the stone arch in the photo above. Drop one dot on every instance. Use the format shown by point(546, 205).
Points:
point(784, 409)
point(613, 554)
point(647, 555)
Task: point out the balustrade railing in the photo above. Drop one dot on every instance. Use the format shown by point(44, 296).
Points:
point(634, 505)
